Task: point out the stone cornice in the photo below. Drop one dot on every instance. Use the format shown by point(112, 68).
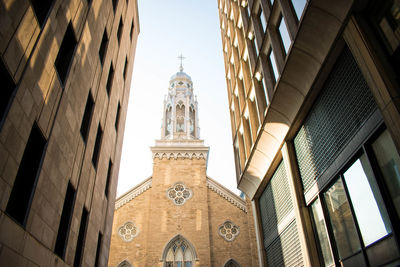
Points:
point(134, 192)
point(193, 149)
point(226, 194)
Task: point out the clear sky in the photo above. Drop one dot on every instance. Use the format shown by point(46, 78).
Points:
point(167, 29)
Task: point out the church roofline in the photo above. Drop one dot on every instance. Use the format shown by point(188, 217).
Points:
point(226, 194)
point(132, 193)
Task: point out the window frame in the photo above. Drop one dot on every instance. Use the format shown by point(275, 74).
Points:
point(365, 148)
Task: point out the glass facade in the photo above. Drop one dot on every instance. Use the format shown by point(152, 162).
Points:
point(389, 164)
point(322, 235)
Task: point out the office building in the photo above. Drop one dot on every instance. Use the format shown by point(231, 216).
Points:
point(313, 90)
point(65, 69)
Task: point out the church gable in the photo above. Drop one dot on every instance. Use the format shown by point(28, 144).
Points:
point(134, 192)
point(226, 194)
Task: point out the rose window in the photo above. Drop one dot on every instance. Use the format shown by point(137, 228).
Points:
point(179, 193)
point(128, 231)
point(228, 230)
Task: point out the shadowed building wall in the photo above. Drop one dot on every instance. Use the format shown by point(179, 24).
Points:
point(65, 69)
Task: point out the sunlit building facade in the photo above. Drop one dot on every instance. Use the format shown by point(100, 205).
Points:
point(65, 72)
point(313, 91)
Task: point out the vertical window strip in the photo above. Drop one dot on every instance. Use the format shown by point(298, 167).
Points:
point(110, 79)
point(81, 238)
point(7, 90)
point(87, 117)
point(117, 116)
point(65, 222)
point(97, 146)
point(284, 34)
point(65, 54)
point(108, 179)
point(21, 196)
point(98, 250)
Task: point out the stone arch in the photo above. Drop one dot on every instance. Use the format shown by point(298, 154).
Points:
point(179, 250)
point(125, 263)
point(180, 117)
point(168, 120)
point(231, 263)
point(192, 120)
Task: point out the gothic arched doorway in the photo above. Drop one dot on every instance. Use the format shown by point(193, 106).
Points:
point(179, 252)
point(125, 263)
point(231, 263)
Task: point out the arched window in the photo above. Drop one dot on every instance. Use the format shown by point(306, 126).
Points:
point(168, 121)
point(231, 263)
point(180, 117)
point(179, 253)
point(192, 120)
point(125, 263)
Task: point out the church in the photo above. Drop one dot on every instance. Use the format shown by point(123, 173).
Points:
point(180, 217)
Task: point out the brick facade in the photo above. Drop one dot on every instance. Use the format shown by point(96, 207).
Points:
point(197, 220)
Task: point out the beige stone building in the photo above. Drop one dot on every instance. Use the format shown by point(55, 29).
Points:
point(65, 72)
point(179, 216)
point(313, 89)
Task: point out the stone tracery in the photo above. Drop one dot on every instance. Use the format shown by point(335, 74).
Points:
point(179, 193)
point(228, 230)
point(128, 231)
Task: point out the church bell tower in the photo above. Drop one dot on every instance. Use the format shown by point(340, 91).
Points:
point(180, 131)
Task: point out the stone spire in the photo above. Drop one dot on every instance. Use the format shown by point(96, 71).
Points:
point(180, 131)
point(180, 116)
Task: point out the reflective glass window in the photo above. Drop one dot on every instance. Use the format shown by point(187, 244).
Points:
point(389, 163)
point(299, 7)
point(367, 202)
point(344, 229)
point(320, 227)
point(286, 41)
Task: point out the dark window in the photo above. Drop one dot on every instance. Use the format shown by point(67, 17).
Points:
point(65, 221)
point(99, 240)
point(109, 172)
point(28, 173)
point(87, 117)
point(41, 8)
point(114, 4)
point(103, 46)
point(81, 238)
point(8, 87)
point(64, 57)
point(97, 145)
point(131, 32)
point(117, 116)
point(119, 31)
point(384, 18)
point(110, 79)
point(125, 68)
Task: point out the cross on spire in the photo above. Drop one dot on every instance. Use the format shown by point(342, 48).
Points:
point(181, 58)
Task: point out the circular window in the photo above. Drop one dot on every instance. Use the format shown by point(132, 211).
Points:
point(179, 193)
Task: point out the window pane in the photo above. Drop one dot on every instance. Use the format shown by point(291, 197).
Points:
point(319, 223)
point(299, 7)
point(342, 222)
point(284, 35)
point(367, 202)
point(389, 163)
point(262, 20)
point(273, 63)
